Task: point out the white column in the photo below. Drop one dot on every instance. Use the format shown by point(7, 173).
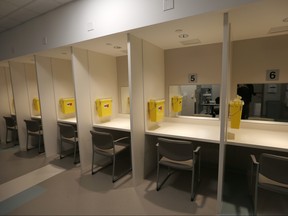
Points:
point(224, 96)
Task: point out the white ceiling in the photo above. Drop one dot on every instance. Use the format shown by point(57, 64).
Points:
point(249, 21)
point(16, 12)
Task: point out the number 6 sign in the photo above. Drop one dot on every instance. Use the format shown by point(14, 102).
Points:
point(272, 75)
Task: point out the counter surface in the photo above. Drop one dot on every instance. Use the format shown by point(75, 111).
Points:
point(245, 137)
point(68, 120)
point(199, 132)
point(256, 138)
point(118, 123)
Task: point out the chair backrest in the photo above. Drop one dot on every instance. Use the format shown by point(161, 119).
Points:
point(178, 150)
point(274, 167)
point(10, 121)
point(102, 140)
point(33, 125)
point(67, 130)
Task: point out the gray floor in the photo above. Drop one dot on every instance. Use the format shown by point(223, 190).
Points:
point(73, 193)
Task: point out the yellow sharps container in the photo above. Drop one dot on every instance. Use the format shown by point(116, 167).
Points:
point(235, 112)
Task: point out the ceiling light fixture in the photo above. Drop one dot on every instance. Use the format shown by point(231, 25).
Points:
point(178, 30)
point(117, 47)
point(183, 36)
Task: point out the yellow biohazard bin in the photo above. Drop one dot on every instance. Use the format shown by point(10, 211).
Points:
point(36, 104)
point(104, 107)
point(67, 105)
point(177, 103)
point(156, 110)
point(235, 112)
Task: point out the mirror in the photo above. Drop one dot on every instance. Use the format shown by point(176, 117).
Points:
point(268, 102)
point(125, 100)
point(197, 100)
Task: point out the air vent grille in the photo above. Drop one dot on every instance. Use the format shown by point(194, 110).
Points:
point(190, 42)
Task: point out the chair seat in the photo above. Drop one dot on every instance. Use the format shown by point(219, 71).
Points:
point(267, 181)
point(109, 152)
point(185, 165)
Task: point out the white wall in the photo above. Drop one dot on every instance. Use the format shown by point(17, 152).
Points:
point(68, 24)
point(251, 58)
point(103, 74)
point(63, 83)
point(5, 99)
point(32, 87)
point(154, 76)
point(123, 89)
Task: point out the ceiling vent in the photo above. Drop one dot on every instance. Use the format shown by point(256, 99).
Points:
point(279, 29)
point(190, 42)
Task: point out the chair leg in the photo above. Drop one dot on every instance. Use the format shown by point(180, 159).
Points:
point(61, 156)
point(113, 170)
point(192, 185)
point(27, 140)
point(75, 152)
point(39, 144)
point(255, 201)
point(166, 178)
point(114, 179)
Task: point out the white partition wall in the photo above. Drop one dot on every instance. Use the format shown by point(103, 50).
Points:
point(82, 81)
point(154, 88)
point(21, 99)
point(135, 71)
point(6, 98)
point(48, 106)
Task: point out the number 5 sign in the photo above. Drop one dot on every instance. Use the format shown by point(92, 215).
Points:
point(192, 78)
point(272, 75)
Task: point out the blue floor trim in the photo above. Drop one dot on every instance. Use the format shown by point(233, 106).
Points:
point(17, 200)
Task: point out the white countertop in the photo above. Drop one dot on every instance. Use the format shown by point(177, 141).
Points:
point(68, 120)
point(258, 138)
point(118, 123)
point(268, 137)
point(189, 131)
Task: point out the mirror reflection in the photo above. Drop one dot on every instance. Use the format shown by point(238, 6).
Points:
point(197, 100)
point(125, 100)
point(267, 102)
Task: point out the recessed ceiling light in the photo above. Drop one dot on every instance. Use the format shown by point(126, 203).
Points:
point(183, 36)
point(64, 53)
point(108, 44)
point(285, 19)
point(117, 47)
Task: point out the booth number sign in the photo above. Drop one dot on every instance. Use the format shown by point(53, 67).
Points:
point(272, 75)
point(192, 78)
